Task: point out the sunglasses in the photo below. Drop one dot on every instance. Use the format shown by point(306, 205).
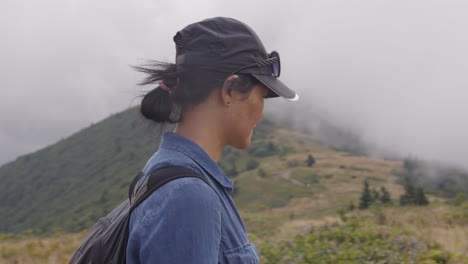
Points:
point(273, 60)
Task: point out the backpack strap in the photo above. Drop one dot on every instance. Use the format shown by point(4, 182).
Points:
point(133, 184)
point(161, 176)
point(156, 179)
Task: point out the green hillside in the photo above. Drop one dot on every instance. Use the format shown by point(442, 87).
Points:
point(68, 185)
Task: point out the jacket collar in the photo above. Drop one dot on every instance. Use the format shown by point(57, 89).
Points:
point(171, 140)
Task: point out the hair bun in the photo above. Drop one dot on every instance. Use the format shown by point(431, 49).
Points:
point(157, 106)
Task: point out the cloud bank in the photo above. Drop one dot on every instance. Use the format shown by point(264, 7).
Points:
point(393, 72)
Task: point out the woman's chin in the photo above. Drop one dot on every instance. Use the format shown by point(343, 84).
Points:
point(244, 143)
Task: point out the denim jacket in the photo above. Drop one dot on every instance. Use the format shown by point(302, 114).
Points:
point(185, 220)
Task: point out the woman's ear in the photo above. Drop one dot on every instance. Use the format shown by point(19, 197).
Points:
point(227, 89)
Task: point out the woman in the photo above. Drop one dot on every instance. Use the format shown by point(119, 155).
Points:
point(215, 94)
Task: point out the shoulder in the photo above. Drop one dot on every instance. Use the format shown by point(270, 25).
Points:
point(190, 191)
point(181, 196)
point(168, 157)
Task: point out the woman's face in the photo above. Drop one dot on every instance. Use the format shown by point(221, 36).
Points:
point(247, 112)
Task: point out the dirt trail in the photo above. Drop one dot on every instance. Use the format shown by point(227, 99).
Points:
point(287, 176)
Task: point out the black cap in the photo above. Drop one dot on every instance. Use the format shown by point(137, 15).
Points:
point(225, 44)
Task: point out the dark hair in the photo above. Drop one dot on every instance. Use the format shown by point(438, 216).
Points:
point(189, 87)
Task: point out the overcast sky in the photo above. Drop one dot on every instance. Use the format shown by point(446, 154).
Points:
point(394, 71)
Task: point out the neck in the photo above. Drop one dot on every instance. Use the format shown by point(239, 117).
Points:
point(204, 132)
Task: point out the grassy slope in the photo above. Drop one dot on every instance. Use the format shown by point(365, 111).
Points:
point(58, 187)
point(338, 178)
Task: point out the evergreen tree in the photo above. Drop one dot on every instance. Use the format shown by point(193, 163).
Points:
point(351, 206)
point(385, 196)
point(375, 195)
point(410, 164)
point(366, 197)
point(310, 161)
point(233, 172)
point(271, 147)
point(420, 197)
point(409, 188)
point(408, 198)
point(405, 200)
point(413, 195)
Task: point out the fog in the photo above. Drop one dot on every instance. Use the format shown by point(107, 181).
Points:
point(392, 72)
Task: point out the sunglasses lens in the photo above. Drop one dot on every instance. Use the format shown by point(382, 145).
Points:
point(276, 66)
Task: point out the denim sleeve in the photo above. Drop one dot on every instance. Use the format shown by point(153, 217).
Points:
point(184, 226)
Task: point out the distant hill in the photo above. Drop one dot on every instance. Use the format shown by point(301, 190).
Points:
point(71, 183)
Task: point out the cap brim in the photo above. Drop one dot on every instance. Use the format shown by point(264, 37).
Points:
point(277, 87)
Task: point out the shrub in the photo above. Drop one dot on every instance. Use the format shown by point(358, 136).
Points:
point(353, 242)
point(310, 161)
point(262, 173)
point(235, 190)
point(459, 199)
point(283, 151)
point(252, 164)
point(459, 216)
point(262, 149)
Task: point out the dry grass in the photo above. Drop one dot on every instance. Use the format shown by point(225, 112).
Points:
point(291, 228)
point(56, 249)
point(429, 223)
point(299, 207)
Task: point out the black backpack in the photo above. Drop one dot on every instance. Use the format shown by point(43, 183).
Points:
point(106, 242)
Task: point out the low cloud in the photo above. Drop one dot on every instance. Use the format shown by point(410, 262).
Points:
point(393, 72)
